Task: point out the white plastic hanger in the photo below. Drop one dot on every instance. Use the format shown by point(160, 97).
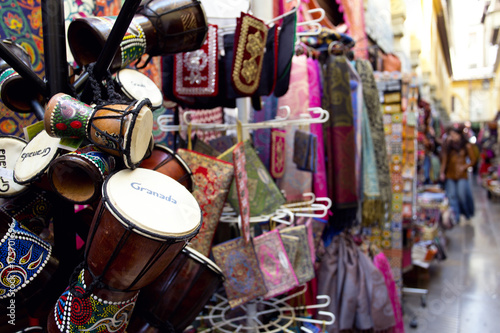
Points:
point(305, 119)
point(293, 10)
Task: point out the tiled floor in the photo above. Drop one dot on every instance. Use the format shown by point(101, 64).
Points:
point(464, 290)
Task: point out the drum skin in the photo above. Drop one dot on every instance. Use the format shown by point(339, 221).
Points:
point(177, 296)
point(165, 161)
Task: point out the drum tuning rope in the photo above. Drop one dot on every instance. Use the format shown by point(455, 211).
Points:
point(117, 141)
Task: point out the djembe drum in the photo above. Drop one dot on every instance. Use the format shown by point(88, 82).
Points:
point(78, 176)
point(136, 86)
point(16, 92)
point(34, 160)
point(10, 150)
point(143, 222)
point(28, 265)
point(122, 130)
point(167, 162)
point(160, 27)
point(178, 295)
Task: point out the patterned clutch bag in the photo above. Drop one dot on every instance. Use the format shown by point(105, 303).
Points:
point(196, 73)
point(274, 264)
point(212, 178)
point(305, 150)
point(265, 196)
point(249, 44)
point(277, 165)
point(239, 264)
point(303, 265)
point(291, 244)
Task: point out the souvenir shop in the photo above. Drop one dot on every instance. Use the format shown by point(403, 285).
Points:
point(191, 166)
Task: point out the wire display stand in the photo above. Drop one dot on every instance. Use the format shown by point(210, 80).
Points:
point(272, 315)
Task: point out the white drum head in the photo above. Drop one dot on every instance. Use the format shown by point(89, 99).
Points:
point(10, 150)
point(136, 85)
point(197, 256)
point(157, 205)
point(140, 138)
point(36, 157)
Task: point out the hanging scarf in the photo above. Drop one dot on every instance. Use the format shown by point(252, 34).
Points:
point(371, 202)
point(294, 181)
point(372, 102)
point(319, 177)
point(380, 261)
point(340, 142)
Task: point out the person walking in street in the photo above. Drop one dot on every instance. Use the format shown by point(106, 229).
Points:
point(456, 159)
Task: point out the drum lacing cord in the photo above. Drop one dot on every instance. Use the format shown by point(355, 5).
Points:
point(118, 141)
point(113, 96)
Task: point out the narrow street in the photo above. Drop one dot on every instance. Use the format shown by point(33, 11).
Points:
point(464, 290)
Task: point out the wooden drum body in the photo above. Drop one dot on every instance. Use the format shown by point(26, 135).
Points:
point(178, 295)
point(119, 129)
point(143, 222)
point(167, 162)
point(78, 176)
point(160, 27)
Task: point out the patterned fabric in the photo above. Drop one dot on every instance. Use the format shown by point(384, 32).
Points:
point(315, 91)
point(262, 137)
point(197, 72)
point(249, 45)
point(372, 205)
point(212, 178)
point(162, 137)
point(274, 264)
point(357, 113)
point(23, 255)
point(380, 261)
point(340, 145)
point(302, 265)
point(277, 165)
point(305, 151)
point(21, 21)
point(264, 195)
point(239, 264)
point(241, 181)
point(291, 244)
point(214, 116)
point(92, 314)
point(295, 182)
point(372, 101)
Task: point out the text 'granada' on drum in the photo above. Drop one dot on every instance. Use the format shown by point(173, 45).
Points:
point(138, 187)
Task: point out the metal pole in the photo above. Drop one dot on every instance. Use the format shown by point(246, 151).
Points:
point(121, 25)
point(54, 44)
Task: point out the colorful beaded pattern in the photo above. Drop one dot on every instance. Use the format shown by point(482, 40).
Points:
point(70, 118)
point(102, 161)
point(7, 74)
point(23, 255)
point(133, 45)
point(91, 314)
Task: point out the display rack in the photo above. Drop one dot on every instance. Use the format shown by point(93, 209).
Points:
point(249, 317)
